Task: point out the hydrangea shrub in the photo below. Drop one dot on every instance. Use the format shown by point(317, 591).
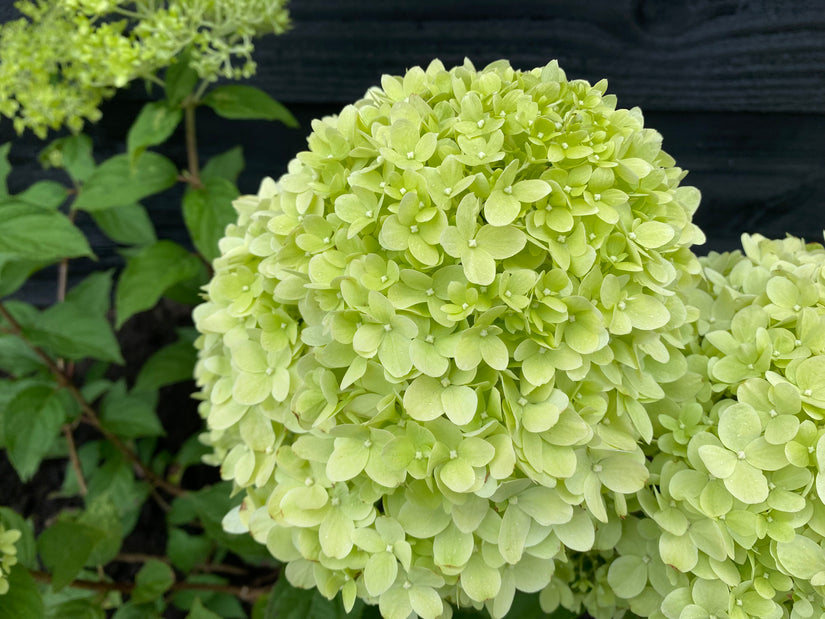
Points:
point(429, 351)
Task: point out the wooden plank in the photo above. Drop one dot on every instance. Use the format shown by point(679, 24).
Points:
point(697, 55)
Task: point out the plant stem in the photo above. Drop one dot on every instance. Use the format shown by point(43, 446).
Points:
point(193, 165)
point(126, 557)
point(89, 415)
point(75, 460)
point(247, 594)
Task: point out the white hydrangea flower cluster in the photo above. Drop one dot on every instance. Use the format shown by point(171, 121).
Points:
point(733, 520)
point(428, 349)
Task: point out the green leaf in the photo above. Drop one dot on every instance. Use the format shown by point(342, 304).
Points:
point(39, 234)
point(102, 514)
point(207, 211)
point(287, 602)
point(116, 182)
point(31, 422)
point(186, 551)
point(155, 123)
point(171, 364)
point(148, 274)
point(23, 599)
point(46, 194)
point(130, 415)
point(64, 548)
point(199, 612)
point(180, 79)
point(136, 611)
point(93, 294)
point(227, 165)
point(129, 224)
point(77, 609)
point(5, 169)
point(247, 102)
point(14, 272)
point(72, 331)
point(153, 580)
point(73, 154)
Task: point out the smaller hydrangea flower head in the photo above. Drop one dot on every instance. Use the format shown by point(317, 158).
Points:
point(427, 349)
point(8, 555)
point(734, 511)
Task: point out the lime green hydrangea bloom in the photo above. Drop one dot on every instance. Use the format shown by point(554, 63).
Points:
point(64, 57)
point(735, 507)
point(8, 555)
point(427, 349)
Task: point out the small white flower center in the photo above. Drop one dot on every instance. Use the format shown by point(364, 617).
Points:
point(368, 214)
point(384, 279)
point(411, 155)
point(429, 339)
point(413, 228)
point(508, 294)
point(472, 243)
point(480, 124)
point(448, 191)
point(429, 292)
point(808, 392)
point(453, 454)
point(740, 454)
point(508, 190)
point(573, 318)
point(367, 443)
point(245, 288)
point(388, 328)
point(464, 305)
point(797, 307)
point(597, 468)
point(622, 305)
point(598, 196)
point(483, 333)
point(389, 548)
point(481, 154)
point(382, 184)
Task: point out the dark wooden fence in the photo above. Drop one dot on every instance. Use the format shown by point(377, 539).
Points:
point(736, 87)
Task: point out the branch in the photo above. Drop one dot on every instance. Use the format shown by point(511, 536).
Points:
point(194, 178)
point(247, 594)
point(89, 415)
point(75, 460)
point(136, 557)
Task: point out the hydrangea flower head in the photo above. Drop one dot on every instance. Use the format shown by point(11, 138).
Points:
point(427, 349)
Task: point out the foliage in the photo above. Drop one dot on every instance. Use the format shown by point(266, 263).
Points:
point(68, 406)
point(65, 56)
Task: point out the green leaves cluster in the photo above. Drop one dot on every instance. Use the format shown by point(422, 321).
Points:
point(430, 350)
point(58, 365)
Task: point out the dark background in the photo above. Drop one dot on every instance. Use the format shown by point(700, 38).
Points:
point(736, 87)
